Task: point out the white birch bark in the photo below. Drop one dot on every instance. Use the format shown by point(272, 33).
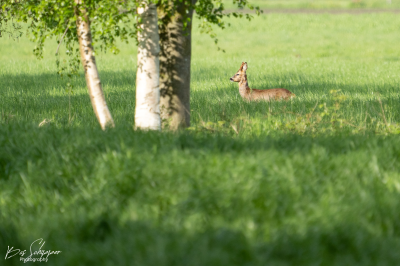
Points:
point(147, 110)
point(175, 58)
point(89, 64)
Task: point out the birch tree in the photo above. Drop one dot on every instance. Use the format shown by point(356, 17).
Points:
point(175, 29)
point(56, 18)
point(89, 64)
point(175, 60)
point(147, 109)
point(72, 20)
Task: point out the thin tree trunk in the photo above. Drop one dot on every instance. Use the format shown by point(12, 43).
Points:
point(89, 64)
point(147, 110)
point(175, 58)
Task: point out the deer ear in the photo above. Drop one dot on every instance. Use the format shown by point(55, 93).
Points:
point(241, 66)
point(244, 65)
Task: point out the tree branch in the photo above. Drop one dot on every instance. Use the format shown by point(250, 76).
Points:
point(65, 32)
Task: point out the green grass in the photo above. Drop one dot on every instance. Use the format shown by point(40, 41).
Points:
point(248, 184)
point(321, 4)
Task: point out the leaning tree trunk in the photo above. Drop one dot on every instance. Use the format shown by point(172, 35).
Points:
point(89, 64)
point(175, 57)
point(147, 110)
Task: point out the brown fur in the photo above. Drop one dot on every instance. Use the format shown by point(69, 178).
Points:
point(254, 94)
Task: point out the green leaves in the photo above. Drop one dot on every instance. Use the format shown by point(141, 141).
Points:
point(50, 18)
point(212, 12)
point(8, 26)
point(109, 19)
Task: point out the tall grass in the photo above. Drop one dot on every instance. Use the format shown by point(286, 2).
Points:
point(248, 184)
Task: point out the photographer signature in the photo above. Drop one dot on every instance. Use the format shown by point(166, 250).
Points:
point(36, 252)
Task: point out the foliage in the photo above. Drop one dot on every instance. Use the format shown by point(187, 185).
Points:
point(109, 19)
point(212, 12)
point(8, 26)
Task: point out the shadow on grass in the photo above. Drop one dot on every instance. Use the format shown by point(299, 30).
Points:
point(83, 145)
point(103, 241)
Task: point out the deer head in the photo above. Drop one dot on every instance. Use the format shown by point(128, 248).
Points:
point(240, 74)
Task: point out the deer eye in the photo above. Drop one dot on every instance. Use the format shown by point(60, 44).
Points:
point(237, 74)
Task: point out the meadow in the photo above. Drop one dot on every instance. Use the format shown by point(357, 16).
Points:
point(311, 181)
point(328, 5)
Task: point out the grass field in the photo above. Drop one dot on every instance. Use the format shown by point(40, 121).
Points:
point(322, 4)
point(312, 181)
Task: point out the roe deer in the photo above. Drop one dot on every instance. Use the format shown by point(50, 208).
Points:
point(254, 94)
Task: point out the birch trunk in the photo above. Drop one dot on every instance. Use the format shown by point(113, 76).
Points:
point(147, 110)
point(89, 64)
point(175, 58)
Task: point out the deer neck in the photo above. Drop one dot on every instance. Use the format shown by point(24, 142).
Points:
point(244, 89)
